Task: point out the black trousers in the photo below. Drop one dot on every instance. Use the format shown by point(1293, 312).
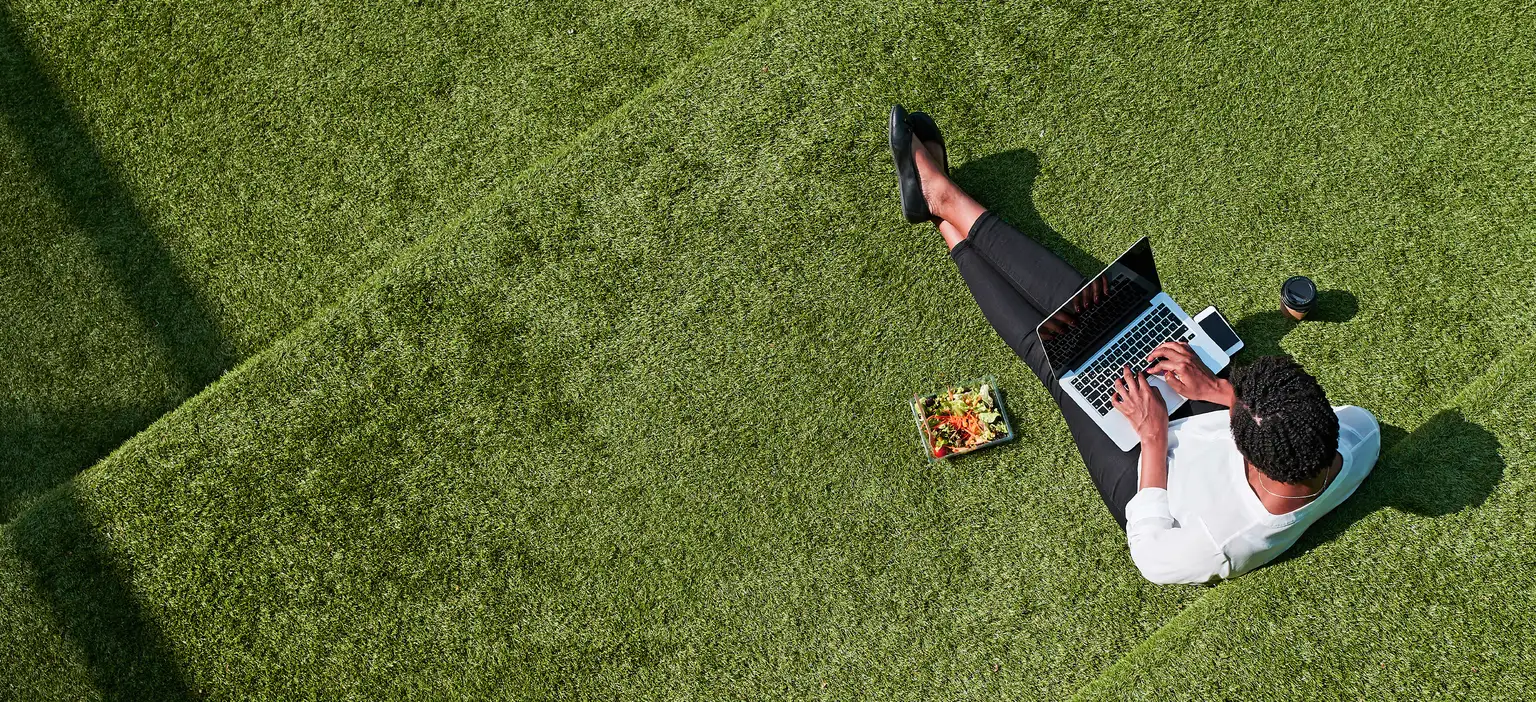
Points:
point(1017, 282)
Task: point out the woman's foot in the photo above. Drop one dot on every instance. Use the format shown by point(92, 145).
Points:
point(936, 155)
point(927, 130)
point(938, 189)
point(952, 209)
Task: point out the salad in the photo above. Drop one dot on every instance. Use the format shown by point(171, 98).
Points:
point(960, 419)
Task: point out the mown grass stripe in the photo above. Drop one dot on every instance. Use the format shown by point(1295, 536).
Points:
point(206, 179)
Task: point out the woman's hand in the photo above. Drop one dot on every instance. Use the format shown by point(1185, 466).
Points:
point(1142, 404)
point(1183, 371)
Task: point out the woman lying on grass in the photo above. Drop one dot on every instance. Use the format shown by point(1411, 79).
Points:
point(1241, 470)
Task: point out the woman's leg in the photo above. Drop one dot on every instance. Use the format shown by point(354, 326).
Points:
point(1036, 272)
point(1002, 266)
point(1113, 471)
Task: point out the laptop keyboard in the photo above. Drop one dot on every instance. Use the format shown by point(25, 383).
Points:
point(1097, 381)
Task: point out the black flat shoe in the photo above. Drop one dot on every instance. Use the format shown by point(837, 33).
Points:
point(927, 131)
point(913, 206)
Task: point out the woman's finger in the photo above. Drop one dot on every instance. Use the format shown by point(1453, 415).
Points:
point(1133, 384)
point(1150, 395)
point(1169, 369)
point(1177, 364)
point(1141, 387)
point(1174, 350)
point(1144, 386)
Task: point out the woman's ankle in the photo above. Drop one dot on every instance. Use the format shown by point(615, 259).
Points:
point(938, 189)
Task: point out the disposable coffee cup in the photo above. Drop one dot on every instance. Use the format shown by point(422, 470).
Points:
point(1298, 296)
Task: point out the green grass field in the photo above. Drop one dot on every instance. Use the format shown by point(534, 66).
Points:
point(551, 352)
point(202, 179)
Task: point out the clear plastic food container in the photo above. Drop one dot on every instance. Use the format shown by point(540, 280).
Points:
point(925, 435)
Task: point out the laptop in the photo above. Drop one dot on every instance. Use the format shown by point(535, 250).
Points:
point(1114, 321)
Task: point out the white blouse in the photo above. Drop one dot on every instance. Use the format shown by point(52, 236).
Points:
point(1209, 525)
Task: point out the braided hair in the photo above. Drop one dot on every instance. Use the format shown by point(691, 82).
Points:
point(1282, 421)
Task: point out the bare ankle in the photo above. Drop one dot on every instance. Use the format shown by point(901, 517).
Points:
point(940, 196)
point(938, 190)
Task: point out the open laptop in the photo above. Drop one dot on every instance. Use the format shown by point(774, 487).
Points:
point(1115, 321)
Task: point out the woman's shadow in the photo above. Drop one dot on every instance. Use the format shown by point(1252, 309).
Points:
point(1004, 183)
point(1447, 465)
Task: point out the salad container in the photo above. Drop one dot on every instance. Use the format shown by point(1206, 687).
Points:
point(981, 397)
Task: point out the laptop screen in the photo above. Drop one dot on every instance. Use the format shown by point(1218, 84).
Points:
point(1100, 309)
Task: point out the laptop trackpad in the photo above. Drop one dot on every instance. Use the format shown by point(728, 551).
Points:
point(1173, 399)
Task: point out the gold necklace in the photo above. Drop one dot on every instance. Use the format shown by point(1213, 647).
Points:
point(1320, 491)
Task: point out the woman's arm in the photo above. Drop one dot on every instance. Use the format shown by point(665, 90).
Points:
point(1154, 461)
point(1143, 406)
point(1163, 552)
point(1167, 554)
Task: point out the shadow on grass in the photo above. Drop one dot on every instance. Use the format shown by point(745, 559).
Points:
point(76, 574)
point(1261, 332)
point(1004, 183)
point(73, 568)
point(1447, 465)
point(75, 174)
point(61, 150)
point(40, 451)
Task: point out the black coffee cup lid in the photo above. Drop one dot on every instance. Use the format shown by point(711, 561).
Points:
point(1299, 292)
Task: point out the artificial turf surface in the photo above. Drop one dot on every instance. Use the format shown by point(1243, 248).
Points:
point(635, 425)
point(181, 183)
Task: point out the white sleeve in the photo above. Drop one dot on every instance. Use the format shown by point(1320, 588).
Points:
point(1166, 553)
point(1361, 434)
